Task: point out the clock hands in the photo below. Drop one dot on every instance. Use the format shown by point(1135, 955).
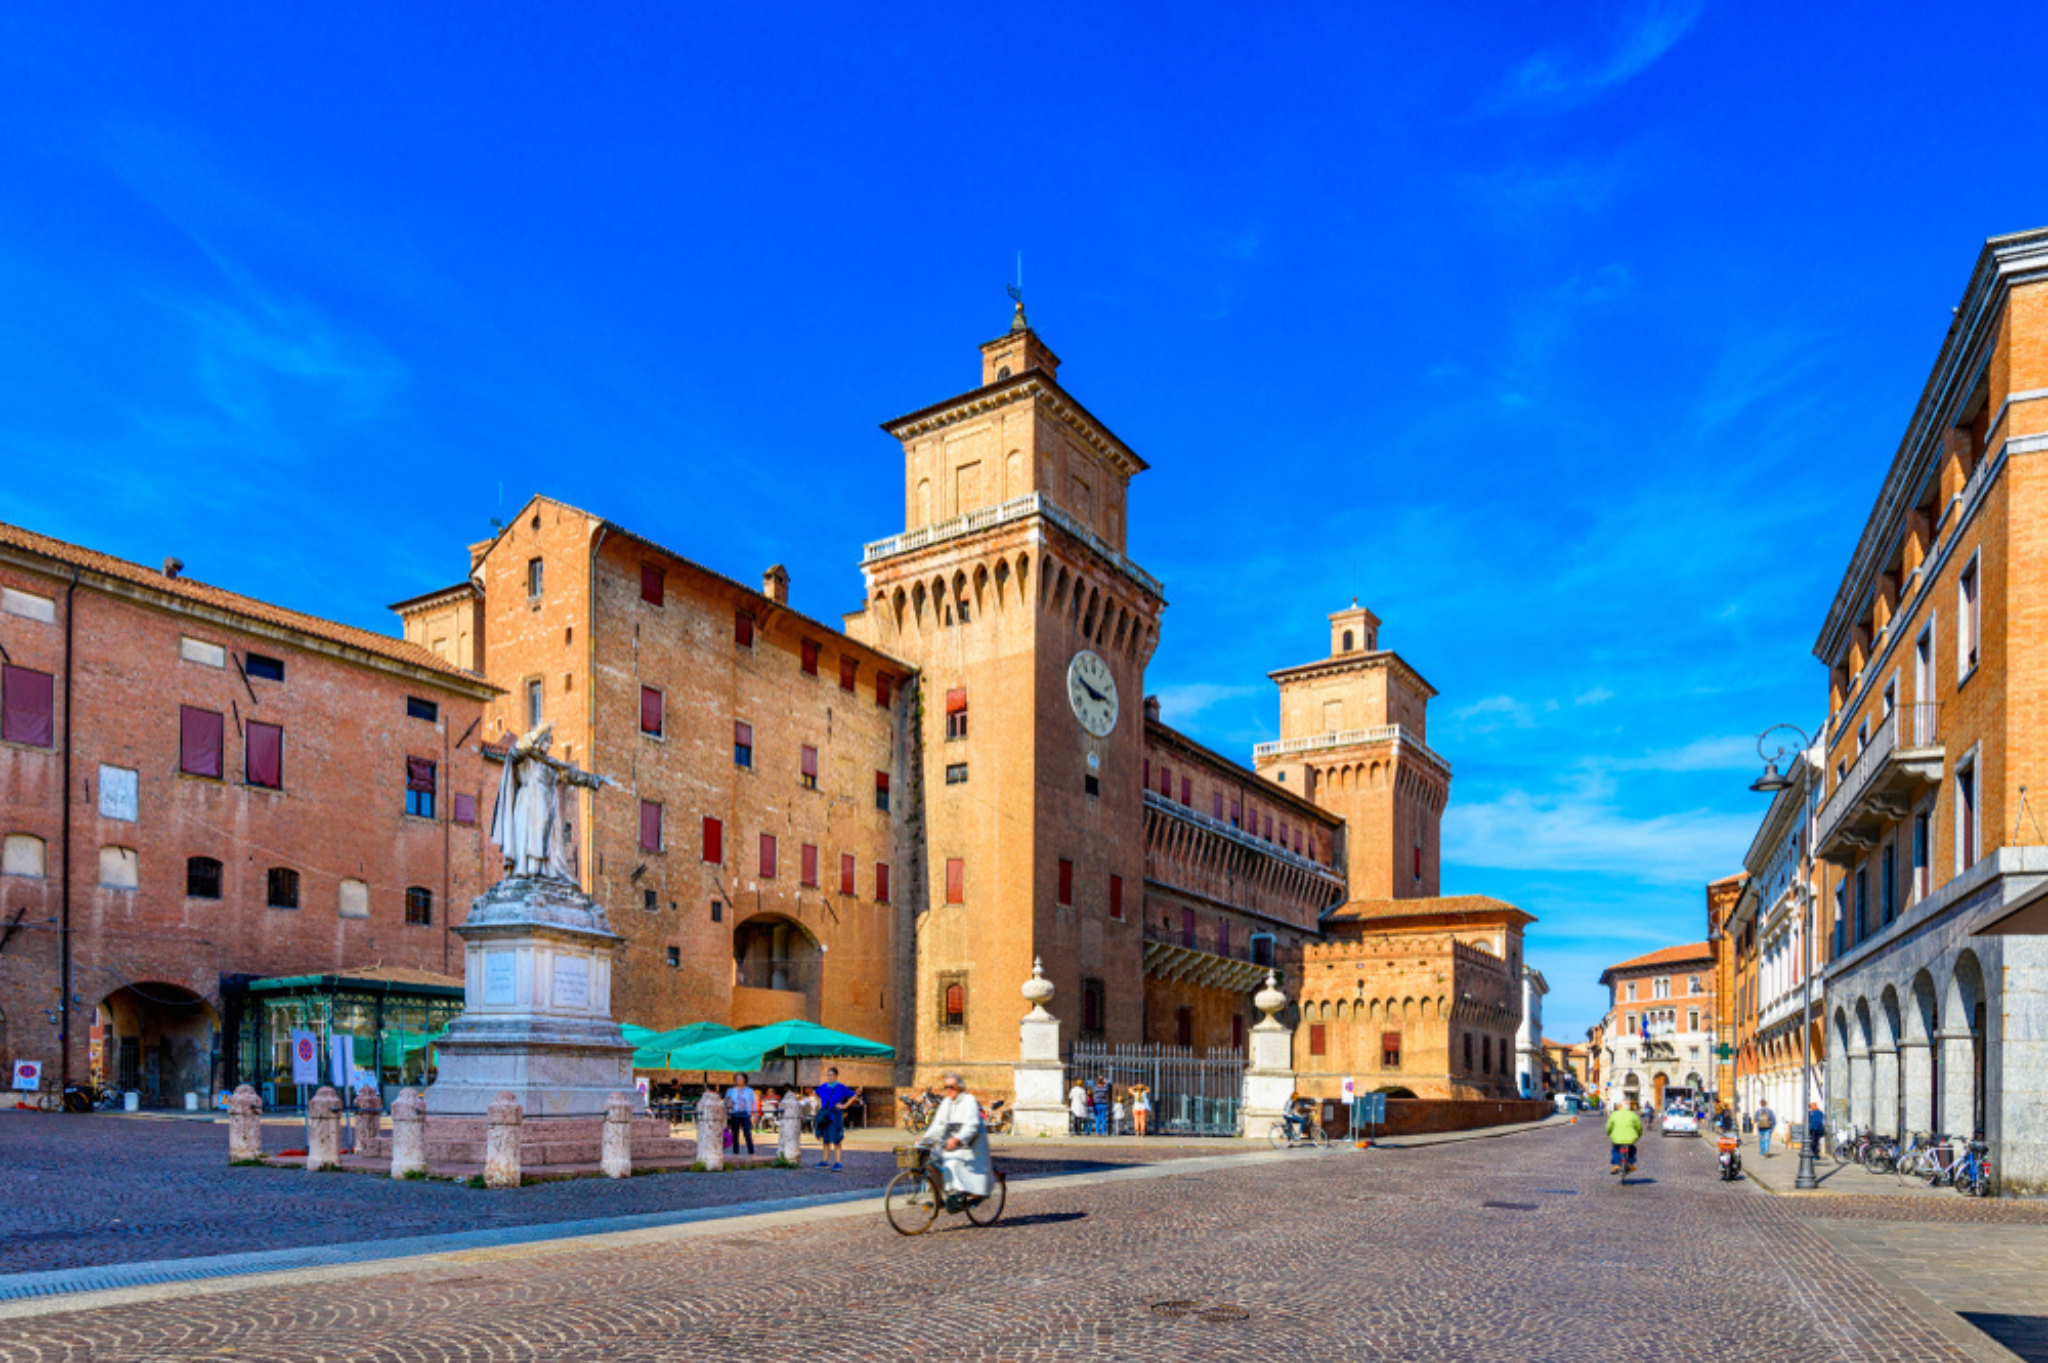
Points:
point(1091, 690)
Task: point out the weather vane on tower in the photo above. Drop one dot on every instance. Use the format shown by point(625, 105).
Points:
point(1016, 292)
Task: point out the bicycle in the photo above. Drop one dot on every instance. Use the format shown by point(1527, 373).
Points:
point(1972, 1175)
point(1280, 1135)
point(916, 1196)
point(1935, 1162)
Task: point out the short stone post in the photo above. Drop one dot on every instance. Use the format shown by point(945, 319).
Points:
point(369, 1115)
point(789, 1129)
point(711, 1131)
point(501, 1143)
point(408, 1134)
point(616, 1158)
point(245, 1126)
point(1038, 1080)
point(1269, 1078)
point(323, 1131)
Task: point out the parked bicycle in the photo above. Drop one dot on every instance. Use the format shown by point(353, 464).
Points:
point(1932, 1160)
point(916, 1196)
point(1972, 1176)
point(917, 1112)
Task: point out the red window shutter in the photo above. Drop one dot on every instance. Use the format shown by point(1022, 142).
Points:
point(1166, 781)
point(199, 739)
point(810, 653)
point(956, 881)
point(1223, 937)
point(419, 775)
point(743, 629)
point(1390, 1043)
point(1283, 835)
point(465, 810)
point(28, 707)
point(767, 856)
point(1318, 1038)
point(652, 583)
point(714, 840)
point(1066, 881)
point(881, 783)
point(742, 734)
point(1187, 791)
point(810, 865)
point(1236, 812)
point(881, 882)
point(263, 755)
point(1269, 828)
point(1418, 861)
point(1216, 806)
point(882, 689)
point(956, 700)
point(1116, 898)
point(1187, 927)
point(809, 761)
point(847, 668)
point(1147, 782)
point(650, 711)
point(650, 826)
point(846, 873)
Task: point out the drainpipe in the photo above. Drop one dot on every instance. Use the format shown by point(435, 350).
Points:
point(64, 902)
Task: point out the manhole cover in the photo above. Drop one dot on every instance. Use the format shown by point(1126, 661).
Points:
point(1220, 1315)
point(1560, 1192)
point(1173, 1310)
point(1511, 1206)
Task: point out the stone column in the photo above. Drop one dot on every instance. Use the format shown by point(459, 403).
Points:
point(501, 1143)
point(323, 1131)
point(1859, 1088)
point(711, 1131)
point(1038, 1079)
point(1884, 1101)
point(1269, 1079)
point(1918, 1059)
point(245, 1126)
point(408, 1134)
point(789, 1129)
point(617, 1156)
point(1958, 1080)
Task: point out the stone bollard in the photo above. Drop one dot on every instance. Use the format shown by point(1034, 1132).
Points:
point(323, 1131)
point(789, 1129)
point(711, 1131)
point(616, 1159)
point(245, 1125)
point(408, 1134)
point(369, 1116)
point(501, 1145)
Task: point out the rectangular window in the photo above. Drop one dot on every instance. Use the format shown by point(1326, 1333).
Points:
point(1692, 984)
point(743, 628)
point(1692, 1019)
point(1318, 1039)
point(653, 584)
point(714, 841)
point(1631, 1024)
point(1066, 889)
point(882, 791)
point(263, 755)
point(718, 911)
point(956, 880)
point(1269, 828)
point(1116, 898)
point(256, 666)
point(650, 712)
point(807, 767)
point(1262, 948)
point(534, 694)
point(1166, 781)
point(533, 577)
point(808, 866)
point(1923, 859)
point(1236, 815)
point(809, 651)
point(1187, 927)
point(881, 882)
point(282, 888)
point(846, 873)
point(1390, 1050)
point(956, 773)
point(419, 906)
point(1887, 884)
point(956, 714)
point(1216, 806)
point(1223, 937)
point(952, 1001)
point(199, 742)
point(1862, 902)
point(1968, 590)
point(847, 668)
point(1418, 861)
point(767, 856)
point(650, 826)
point(464, 810)
point(420, 786)
point(1631, 991)
point(1187, 791)
point(202, 878)
point(1092, 1000)
point(882, 689)
point(1966, 816)
point(415, 708)
point(1660, 988)
point(1091, 787)
point(675, 957)
point(742, 744)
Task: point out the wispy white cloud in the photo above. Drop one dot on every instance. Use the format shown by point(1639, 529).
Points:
point(1733, 753)
point(1585, 829)
point(1552, 78)
point(1495, 712)
point(1593, 696)
point(1187, 701)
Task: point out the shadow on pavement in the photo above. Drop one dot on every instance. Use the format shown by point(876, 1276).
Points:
point(2026, 1336)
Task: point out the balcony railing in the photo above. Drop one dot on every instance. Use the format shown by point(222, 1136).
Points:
point(1902, 759)
point(1003, 513)
point(1345, 738)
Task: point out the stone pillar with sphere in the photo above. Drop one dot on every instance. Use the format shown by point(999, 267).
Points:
point(1269, 1078)
point(1039, 1078)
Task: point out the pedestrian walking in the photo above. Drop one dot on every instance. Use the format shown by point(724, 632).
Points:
point(741, 1103)
point(1765, 1120)
point(1077, 1106)
point(1816, 1127)
point(1098, 1099)
point(833, 1098)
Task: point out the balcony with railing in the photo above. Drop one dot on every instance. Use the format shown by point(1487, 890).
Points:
point(1181, 956)
point(1901, 762)
point(1006, 513)
point(1292, 747)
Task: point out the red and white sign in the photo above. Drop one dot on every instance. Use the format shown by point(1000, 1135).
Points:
point(305, 1058)
point(28, 1075)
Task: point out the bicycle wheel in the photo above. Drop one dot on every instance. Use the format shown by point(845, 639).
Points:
point(1276, 1136)
point(1841, 1151)
point(50, 1102)
point(985, 1212)
point(912, 1202)
point(1320, 1137)
point(1877, 1159)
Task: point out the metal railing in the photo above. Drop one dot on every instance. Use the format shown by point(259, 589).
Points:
point(1003, 513)
point(1919, 723)
point(1166, 804)
point(1192, 1093)
point(1345, 738)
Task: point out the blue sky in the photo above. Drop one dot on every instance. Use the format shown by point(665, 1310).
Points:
point(1572, 339)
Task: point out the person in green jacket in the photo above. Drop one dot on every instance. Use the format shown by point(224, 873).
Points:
point(1624, 1128)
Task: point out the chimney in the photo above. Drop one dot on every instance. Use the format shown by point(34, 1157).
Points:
point(775, 585)
point(1152, 709)
point(173, 566)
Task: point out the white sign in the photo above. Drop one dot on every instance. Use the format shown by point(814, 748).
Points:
point(572, 982)
point(341, 1058)
point(499, 983)
point(117, 793)
point(1350, 1088)
point(363, 1079)
point(28, 1075)
point(305, 1058)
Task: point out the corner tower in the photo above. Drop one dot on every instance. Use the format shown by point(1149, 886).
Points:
point(1011, 591)
point(1352, 731)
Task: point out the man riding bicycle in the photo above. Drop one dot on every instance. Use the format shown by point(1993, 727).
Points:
point(1624, 1128)
point(1296, 1115)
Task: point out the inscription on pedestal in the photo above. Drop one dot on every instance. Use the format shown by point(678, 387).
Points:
point(572, 982)
point(500, 984)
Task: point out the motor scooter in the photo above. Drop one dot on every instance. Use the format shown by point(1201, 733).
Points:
point(1731, 1156)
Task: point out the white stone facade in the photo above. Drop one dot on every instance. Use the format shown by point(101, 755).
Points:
point(1529, 1036)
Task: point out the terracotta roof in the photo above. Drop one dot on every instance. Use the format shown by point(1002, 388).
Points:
point(1692, 951)
point(233, 603)
point(1456, 906)
point(1735, 879)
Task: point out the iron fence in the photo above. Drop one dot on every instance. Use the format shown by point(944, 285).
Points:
point(1192, 1093)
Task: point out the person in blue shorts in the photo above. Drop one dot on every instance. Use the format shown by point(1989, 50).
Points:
point(833, 1100)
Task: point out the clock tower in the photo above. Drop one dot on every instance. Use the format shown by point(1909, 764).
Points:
point(1011, 591)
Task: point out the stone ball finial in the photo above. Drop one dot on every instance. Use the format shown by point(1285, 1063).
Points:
point(1270, 1000)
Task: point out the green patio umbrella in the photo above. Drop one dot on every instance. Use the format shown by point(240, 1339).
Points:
point(749, 1052)
point(651, 1049)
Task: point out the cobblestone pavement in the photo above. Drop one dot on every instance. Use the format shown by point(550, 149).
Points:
point(1521, 1248)
point(87, 1189)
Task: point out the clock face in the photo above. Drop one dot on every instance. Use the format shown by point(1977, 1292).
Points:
point(1092, 693)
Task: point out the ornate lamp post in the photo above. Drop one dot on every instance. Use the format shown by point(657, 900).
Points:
point(1771, 783)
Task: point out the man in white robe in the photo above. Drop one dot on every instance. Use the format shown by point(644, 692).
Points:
point(959, 1141)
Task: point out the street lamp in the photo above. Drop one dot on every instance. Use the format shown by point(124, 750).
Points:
point(1771, 783)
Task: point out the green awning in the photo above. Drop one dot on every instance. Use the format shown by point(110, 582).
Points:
point(652, 1050)
point(749, 1051)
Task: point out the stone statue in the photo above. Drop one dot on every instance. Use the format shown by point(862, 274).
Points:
point(527, 823)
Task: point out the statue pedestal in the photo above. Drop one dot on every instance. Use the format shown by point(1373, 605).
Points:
point(536, 1019)
point(1269, 1077)
point(1038, 1080)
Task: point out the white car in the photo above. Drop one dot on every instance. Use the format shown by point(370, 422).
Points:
point(1679, 1121)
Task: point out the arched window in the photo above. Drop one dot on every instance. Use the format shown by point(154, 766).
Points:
point(202, 878)
point(283, 885)
point(419, 904)
point(22, 855)
point(954, 1005)
point(1347, 641)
